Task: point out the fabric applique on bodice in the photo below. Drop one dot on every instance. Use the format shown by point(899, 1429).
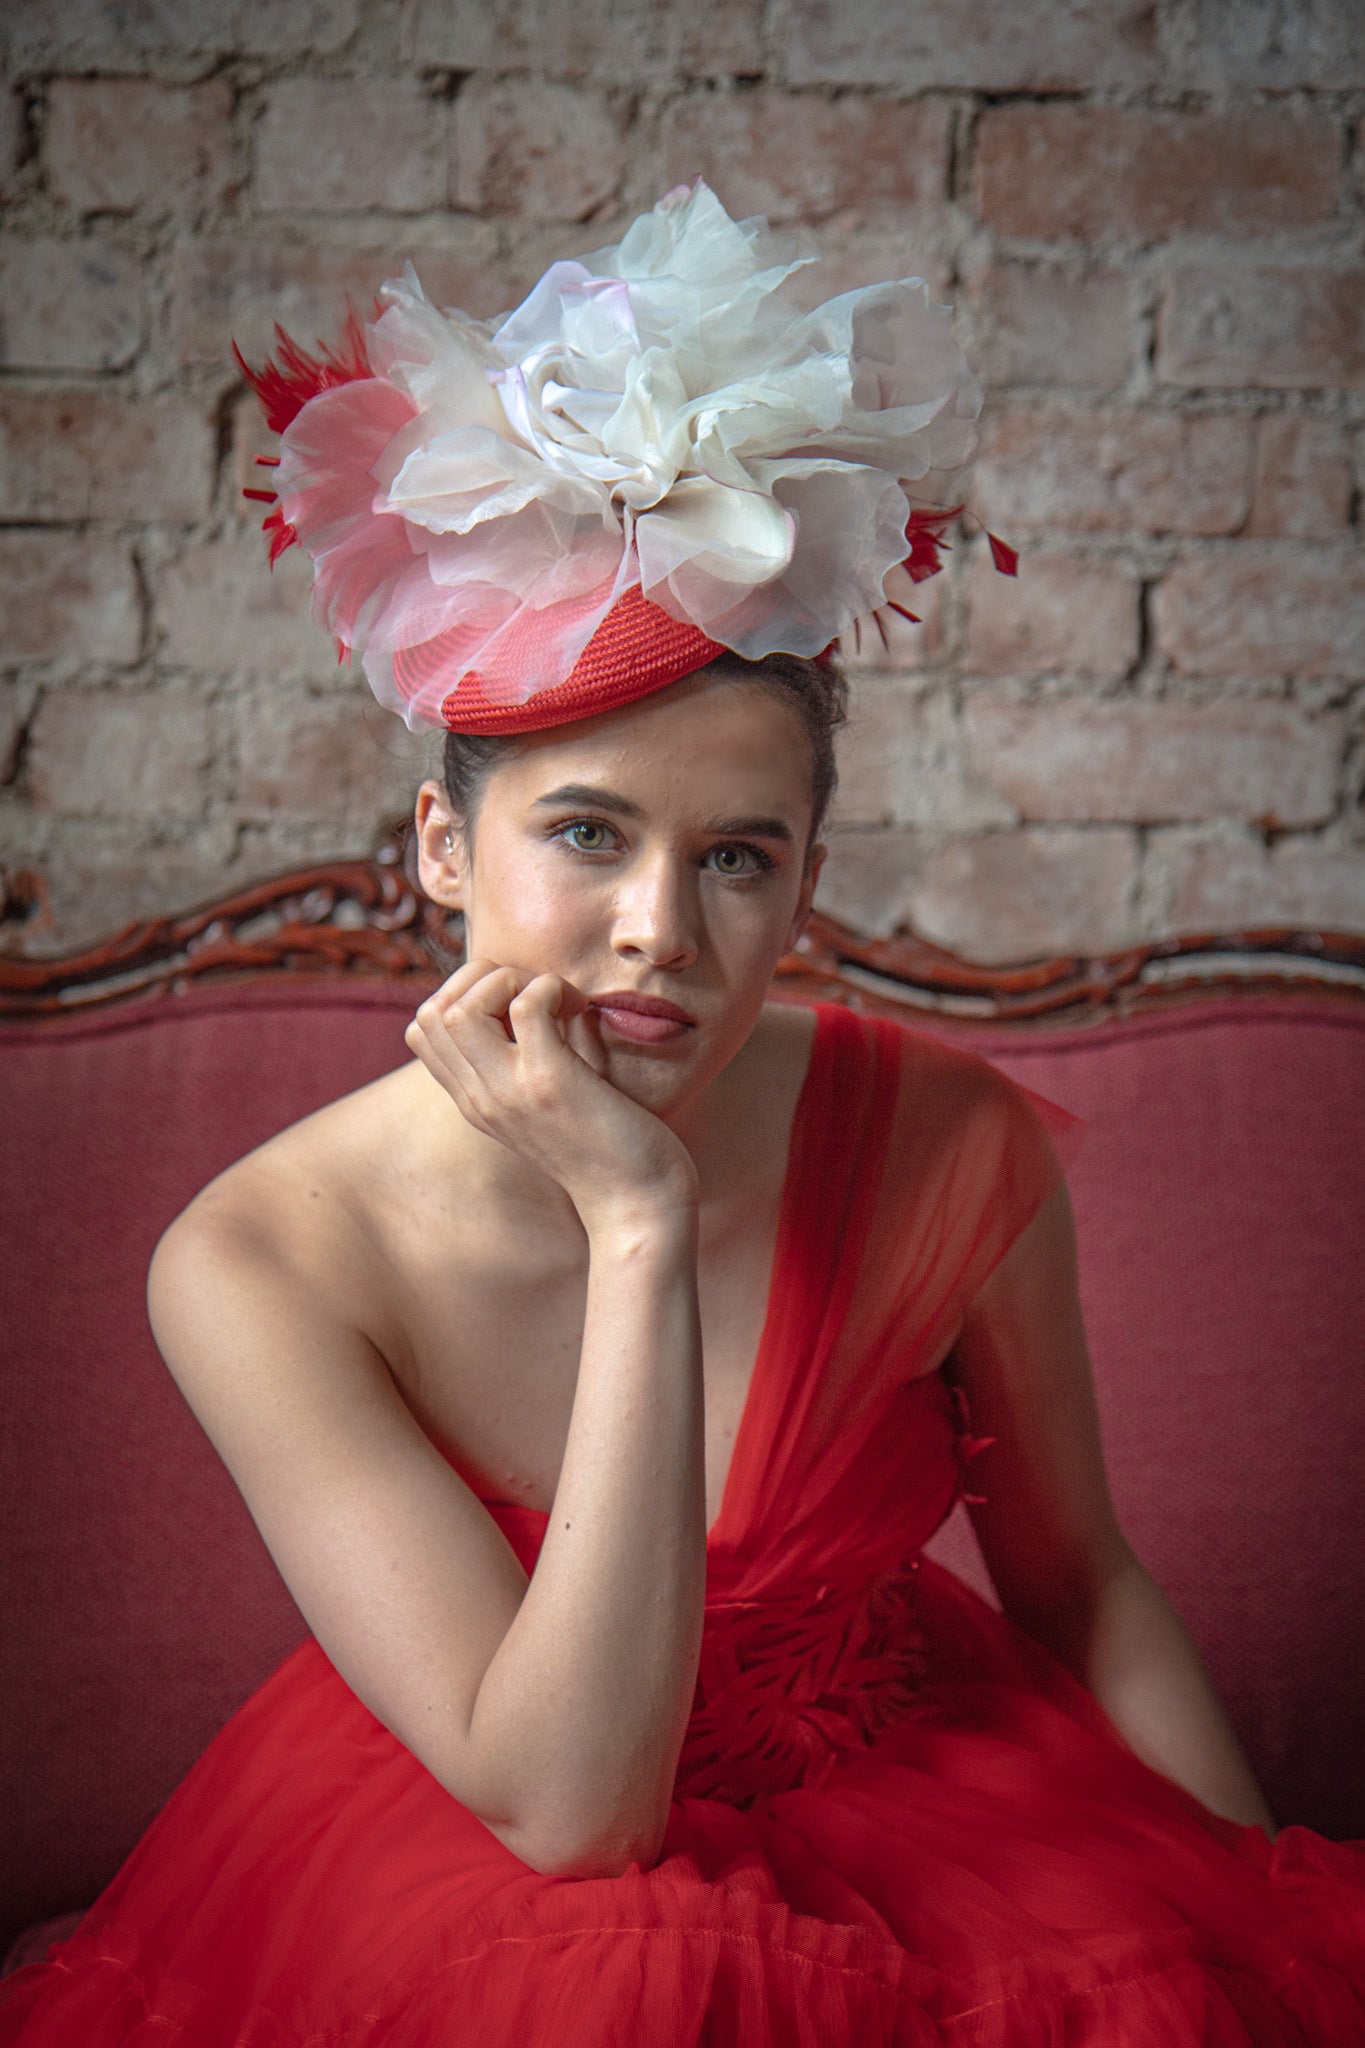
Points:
point(804, 1670)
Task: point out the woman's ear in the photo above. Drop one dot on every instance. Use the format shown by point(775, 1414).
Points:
point(815, 860)
point(440, 847)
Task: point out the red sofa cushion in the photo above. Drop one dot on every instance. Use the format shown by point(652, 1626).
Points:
point(1219, 1196)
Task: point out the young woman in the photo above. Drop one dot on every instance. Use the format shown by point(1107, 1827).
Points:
point(597, 1377)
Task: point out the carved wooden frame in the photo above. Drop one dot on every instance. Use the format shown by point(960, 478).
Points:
point(370, 918)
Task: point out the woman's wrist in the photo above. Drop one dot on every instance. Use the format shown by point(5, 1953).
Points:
point(635, 1222)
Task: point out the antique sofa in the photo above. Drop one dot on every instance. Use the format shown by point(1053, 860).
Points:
point(1219, 1201)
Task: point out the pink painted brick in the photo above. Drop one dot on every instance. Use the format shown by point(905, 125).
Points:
point(1049, 45)
point(537, 149)
point(1222, 885)
point(1002, 897)
point(349, 145)
point(69, 305)
point(1039, 324)
point(1143, 763)
point(330, 755)
point(120, 753)
point(1059, 612)
point(100, 880)
point(617, 41)
point(11, 137)
point(851, 257)
point(16, 702)
point(68, 597)
point(93, 36)
point(1256, 610)
point(1286, 329)
point(1114, 471)
point(219, 608)
point(223, 289)
point(80, 454)
point(122, 145)
point(794, 157)
point(1100, 172)
point(869, 878)
point(1227, 44)
point(902, 761)
point(1303, 478)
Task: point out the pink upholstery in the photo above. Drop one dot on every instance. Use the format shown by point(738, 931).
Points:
point(1219, 1199)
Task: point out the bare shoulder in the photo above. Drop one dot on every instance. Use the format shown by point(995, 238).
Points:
point(297, 1207)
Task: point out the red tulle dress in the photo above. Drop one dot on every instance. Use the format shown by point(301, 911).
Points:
point(896, 1818)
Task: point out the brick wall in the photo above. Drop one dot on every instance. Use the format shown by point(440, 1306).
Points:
point(1149, 218)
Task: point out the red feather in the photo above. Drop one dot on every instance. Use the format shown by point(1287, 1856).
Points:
point(282, 534)
point(1005, 558)
point(924, 531)
point(285, 386)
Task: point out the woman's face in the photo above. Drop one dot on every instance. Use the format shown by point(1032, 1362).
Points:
point(657, 851)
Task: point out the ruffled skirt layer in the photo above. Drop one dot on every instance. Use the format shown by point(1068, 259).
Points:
point(999, 1872)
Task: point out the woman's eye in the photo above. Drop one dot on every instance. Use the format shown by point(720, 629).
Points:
point(740, 860)
point(589, 835)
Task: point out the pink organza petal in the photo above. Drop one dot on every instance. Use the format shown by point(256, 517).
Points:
point(326, 495)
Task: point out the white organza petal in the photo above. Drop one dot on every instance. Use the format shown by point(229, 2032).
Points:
point(540, 553)
point(704, 540)
point(418, 609)
point(598, 322)
point(850, 530)
point(458, 481)
point(442, 360)
point(537, 320)
point(789, 408)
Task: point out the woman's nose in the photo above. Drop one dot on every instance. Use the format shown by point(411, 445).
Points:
point(658, 914)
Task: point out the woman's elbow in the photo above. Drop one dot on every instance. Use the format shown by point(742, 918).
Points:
point(576, 1853)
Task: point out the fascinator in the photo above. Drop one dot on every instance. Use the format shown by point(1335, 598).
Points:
point(655, 458)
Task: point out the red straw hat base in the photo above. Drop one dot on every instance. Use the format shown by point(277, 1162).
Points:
point(637, 649)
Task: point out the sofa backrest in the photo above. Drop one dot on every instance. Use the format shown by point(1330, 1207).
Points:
point(1219, 1199)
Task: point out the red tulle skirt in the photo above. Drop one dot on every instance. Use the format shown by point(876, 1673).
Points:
point(994, 1871)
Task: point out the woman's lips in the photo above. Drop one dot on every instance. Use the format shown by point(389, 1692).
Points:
point(644, 1019)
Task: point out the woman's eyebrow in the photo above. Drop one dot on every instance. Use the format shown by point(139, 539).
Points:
point(593, 797)
point(753, 828)
point(589, 794)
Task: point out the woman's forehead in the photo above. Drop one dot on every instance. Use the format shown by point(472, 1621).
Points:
point(715, 745)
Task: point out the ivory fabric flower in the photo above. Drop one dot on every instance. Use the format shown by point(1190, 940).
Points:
point(655, 417)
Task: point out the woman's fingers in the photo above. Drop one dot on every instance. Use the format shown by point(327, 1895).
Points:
point(583, 1035)
point(506, 1044)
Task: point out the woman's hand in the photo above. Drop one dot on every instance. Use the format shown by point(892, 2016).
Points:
point(521, 1058)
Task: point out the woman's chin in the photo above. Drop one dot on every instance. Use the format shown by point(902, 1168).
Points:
point(658, 1077)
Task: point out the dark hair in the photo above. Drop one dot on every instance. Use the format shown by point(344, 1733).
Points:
point(818, 694)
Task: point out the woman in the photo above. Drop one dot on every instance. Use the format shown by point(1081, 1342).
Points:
point(596, 1378)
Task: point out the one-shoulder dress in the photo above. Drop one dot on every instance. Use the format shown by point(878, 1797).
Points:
point(896, 1819)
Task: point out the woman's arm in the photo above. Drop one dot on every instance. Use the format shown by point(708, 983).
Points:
point(554, 1710)
point(1059, 1561)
